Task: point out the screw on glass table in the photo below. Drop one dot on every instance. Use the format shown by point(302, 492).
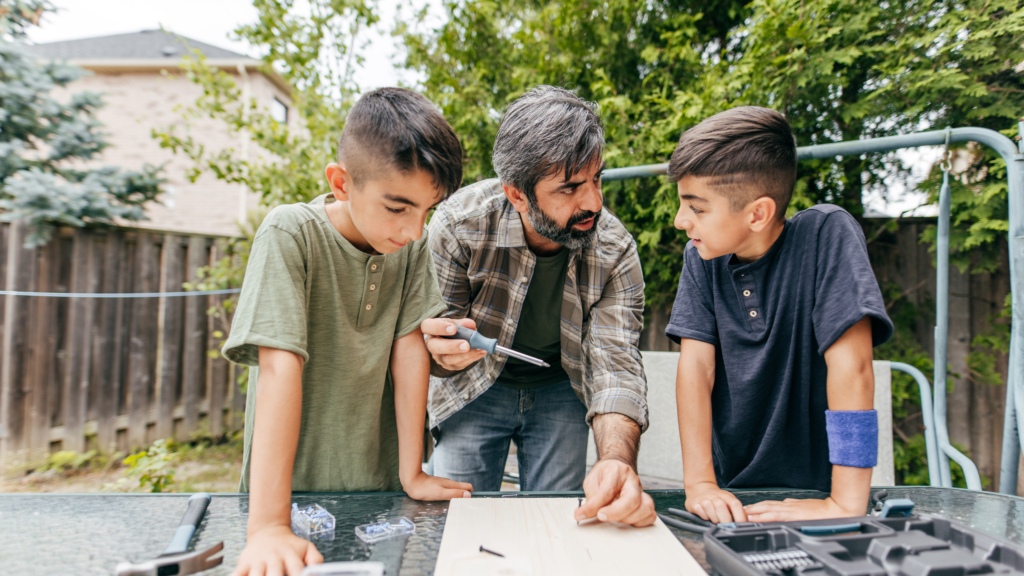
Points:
point(90, 533)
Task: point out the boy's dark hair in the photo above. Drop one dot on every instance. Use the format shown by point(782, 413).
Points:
point(395, 128)
point(749, 152)
point(546, 131)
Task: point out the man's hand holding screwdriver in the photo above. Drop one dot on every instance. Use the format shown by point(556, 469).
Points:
point(449, 356)
point(472, 339)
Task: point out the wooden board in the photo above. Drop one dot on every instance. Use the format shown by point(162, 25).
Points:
point(539, 537)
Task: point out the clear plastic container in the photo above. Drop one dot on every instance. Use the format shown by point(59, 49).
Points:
point(312, 522)
point(371, 533)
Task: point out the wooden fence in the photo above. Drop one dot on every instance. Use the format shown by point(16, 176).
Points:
point(81, 373)
point(975, 408)
point(77, 373)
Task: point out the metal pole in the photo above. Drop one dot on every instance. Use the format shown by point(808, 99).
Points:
point(634, 172)
point(1001, 144)
point(941, 349)
point(1014, 159)
point(1015, 374)
point(928, 416)
point(1011, 445)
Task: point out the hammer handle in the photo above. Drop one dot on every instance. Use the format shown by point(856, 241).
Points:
point(193, 516)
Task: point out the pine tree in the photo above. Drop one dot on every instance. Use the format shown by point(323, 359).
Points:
point(45, 143)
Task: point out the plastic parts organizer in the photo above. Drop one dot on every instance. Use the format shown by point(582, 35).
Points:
point(916, 545)
point(312, 522)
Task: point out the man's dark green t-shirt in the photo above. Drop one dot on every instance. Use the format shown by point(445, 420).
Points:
point(539, 329)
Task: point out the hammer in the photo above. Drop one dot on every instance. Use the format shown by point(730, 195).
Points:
point(174, 560)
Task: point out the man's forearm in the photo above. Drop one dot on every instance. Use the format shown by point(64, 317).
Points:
point(617, 437)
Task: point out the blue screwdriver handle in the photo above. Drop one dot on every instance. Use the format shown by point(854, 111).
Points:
point(477, 341)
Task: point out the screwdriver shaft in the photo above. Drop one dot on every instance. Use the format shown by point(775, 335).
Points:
point(521, 356)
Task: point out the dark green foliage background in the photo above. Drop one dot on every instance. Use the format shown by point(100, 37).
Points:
point(839, 70)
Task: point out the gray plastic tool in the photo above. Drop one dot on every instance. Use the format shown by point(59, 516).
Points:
point(478, 341)
point(683, 525)
point(898, 507)
point(690, 517)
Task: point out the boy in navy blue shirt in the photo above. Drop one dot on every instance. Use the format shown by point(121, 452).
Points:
point(776, 320)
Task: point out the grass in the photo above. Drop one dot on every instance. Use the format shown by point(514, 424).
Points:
point(203, 463)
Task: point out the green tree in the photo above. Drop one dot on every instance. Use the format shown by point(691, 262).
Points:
point(315, 53)
point(838, 69)
point(636, 58)
point(43, 143)
point(315, 50)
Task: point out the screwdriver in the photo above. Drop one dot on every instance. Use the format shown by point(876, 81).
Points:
point(478, 341)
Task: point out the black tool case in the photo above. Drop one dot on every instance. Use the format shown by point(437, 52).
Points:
point(917, 545)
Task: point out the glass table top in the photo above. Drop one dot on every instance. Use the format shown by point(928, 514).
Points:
point(92, 533)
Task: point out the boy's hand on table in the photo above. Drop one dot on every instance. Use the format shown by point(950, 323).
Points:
point(712, 503)
point(276, 550)
point(449, 355)
point(614, 494)
point(792, 509)
point(432, 488)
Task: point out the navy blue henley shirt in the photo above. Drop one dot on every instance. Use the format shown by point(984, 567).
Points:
point(771, 322)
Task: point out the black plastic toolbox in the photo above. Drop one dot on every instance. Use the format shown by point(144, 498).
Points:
point(916, 545)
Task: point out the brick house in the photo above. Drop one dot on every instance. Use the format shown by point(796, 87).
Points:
point(143, 87)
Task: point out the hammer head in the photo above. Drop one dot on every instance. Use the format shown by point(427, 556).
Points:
point(177, 564)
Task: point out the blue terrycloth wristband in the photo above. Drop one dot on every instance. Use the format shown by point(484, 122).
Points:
point(852, 438)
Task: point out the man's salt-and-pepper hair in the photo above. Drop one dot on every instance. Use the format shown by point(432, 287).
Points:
point(545, 131)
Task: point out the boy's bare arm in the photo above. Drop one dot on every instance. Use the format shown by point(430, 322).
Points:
point(270, 545)
point(410, 372)
point(695, 379)
point(851, 386)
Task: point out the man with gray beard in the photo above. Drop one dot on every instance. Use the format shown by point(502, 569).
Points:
point(532, 259)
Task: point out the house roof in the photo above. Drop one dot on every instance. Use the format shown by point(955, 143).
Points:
point(148, 50)
point(144, 45)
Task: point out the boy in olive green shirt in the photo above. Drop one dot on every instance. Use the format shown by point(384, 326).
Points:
point(330, 314)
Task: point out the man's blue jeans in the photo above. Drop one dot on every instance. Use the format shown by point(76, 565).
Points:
point(548, 425)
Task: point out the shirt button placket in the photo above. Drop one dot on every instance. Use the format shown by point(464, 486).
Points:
point(375, 269)
point(750, 300)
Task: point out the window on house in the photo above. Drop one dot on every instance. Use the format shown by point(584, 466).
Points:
point(279, 111)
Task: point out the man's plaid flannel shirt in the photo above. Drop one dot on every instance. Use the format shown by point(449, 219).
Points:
point(484, 268)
